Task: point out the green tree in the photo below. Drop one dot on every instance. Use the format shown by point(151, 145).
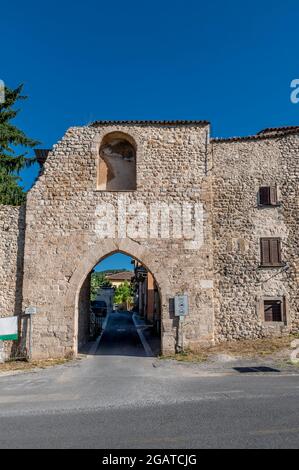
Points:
point(97, 281)
point(11, 138)
point(124, 294)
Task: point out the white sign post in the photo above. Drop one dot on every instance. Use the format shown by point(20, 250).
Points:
point(181, 309)
point(2, 355)
point(30, 311)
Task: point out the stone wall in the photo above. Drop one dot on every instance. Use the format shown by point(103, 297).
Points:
point(12, 225)
point(240, 167)
point(176, 165)
point(63, 242)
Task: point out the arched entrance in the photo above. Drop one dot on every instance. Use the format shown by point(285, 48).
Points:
point(108, 247)
point(120, 301)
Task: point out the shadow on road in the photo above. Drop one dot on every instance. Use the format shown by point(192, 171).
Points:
point(255, 369)
point(120, 337)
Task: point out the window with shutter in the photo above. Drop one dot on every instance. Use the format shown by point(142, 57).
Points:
point(270, 252)
point(273, 310)
point(268, 196)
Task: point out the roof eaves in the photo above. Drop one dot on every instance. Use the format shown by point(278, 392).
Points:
point(259, 136)
point(277, 129)
point(151, 122)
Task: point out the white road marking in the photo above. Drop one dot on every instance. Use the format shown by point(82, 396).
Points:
point(94, 347)
point(146, 346)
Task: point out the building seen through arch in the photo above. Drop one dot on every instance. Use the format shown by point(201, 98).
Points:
point(99, 300)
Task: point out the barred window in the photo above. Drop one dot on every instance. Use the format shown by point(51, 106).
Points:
point(273, 310)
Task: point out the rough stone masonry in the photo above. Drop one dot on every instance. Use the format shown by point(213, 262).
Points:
point(46, 263)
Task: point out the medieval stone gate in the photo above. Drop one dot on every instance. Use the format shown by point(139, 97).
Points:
point(86, 177)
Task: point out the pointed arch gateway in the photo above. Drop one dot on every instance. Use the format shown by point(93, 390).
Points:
point(95, 255)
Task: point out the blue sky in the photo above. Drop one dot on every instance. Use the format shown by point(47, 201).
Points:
point(228, 62)
point(116, 261)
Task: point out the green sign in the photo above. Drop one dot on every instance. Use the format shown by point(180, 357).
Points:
point(8, 328)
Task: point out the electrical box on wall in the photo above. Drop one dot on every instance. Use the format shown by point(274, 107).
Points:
point(181, 305)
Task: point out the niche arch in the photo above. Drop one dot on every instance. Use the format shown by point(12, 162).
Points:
point(117, 163)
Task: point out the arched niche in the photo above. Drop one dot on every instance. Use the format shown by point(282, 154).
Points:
point(117, 163)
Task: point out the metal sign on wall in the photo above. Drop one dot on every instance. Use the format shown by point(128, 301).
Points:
point(181, 305)
point(30, 311)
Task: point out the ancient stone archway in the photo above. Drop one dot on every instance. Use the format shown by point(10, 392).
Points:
point(65, 210)
point(103, 250)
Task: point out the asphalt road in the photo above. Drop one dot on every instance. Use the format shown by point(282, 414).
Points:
point(120, 337)
point(118, 398)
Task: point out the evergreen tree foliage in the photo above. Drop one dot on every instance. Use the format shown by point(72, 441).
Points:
point(12, 138)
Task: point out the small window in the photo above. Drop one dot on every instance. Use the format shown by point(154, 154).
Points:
point(268, 196)
point(271, 252)
point(273, 310)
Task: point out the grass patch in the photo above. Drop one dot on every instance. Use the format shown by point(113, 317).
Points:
point(26, 365)
point(187, 356)
point(243, 348)
point(250, 348)
point(288, 362)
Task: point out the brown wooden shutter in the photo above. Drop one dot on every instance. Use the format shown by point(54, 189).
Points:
point(265, 251)
point(270, 251)
point(275, 252)
point(273, 195)
point(268, 195)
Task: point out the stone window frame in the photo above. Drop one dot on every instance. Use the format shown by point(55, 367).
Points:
point(260, 306)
